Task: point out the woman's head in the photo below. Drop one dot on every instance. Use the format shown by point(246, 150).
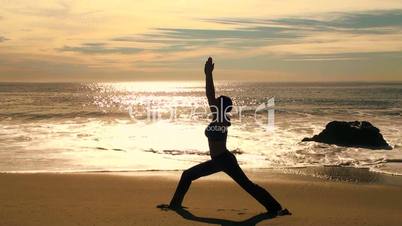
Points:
point(224, 106)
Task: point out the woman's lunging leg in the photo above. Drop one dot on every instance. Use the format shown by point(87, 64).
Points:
point(195, 172)
point(233, 169)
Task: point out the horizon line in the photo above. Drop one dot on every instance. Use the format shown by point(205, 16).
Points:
point(218, 80)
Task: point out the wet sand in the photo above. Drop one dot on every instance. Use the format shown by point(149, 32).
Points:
point(131, 199)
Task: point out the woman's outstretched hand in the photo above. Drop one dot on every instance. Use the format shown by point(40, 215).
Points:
point(209, 66)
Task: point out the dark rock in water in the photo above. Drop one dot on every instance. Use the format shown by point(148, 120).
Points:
point(351, 134)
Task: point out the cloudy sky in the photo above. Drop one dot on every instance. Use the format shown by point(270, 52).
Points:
point(121, 40)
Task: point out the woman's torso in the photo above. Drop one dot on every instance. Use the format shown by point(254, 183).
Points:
point(217, 136)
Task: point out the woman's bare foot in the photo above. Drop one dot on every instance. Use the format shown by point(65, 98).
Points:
point(283, 212)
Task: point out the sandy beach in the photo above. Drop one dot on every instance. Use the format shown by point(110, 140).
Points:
point(131, 199)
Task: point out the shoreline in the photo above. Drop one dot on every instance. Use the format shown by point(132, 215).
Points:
point(328, 173)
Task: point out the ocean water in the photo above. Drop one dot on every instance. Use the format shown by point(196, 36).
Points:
point(133, 126)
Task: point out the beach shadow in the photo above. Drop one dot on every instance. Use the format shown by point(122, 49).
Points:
point(252, 221)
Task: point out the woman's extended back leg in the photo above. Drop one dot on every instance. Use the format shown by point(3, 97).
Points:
point(195, 172)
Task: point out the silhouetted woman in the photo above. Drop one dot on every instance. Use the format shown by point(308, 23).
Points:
point(221, 158)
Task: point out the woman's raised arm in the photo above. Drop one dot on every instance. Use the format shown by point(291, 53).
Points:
point(209, 84)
